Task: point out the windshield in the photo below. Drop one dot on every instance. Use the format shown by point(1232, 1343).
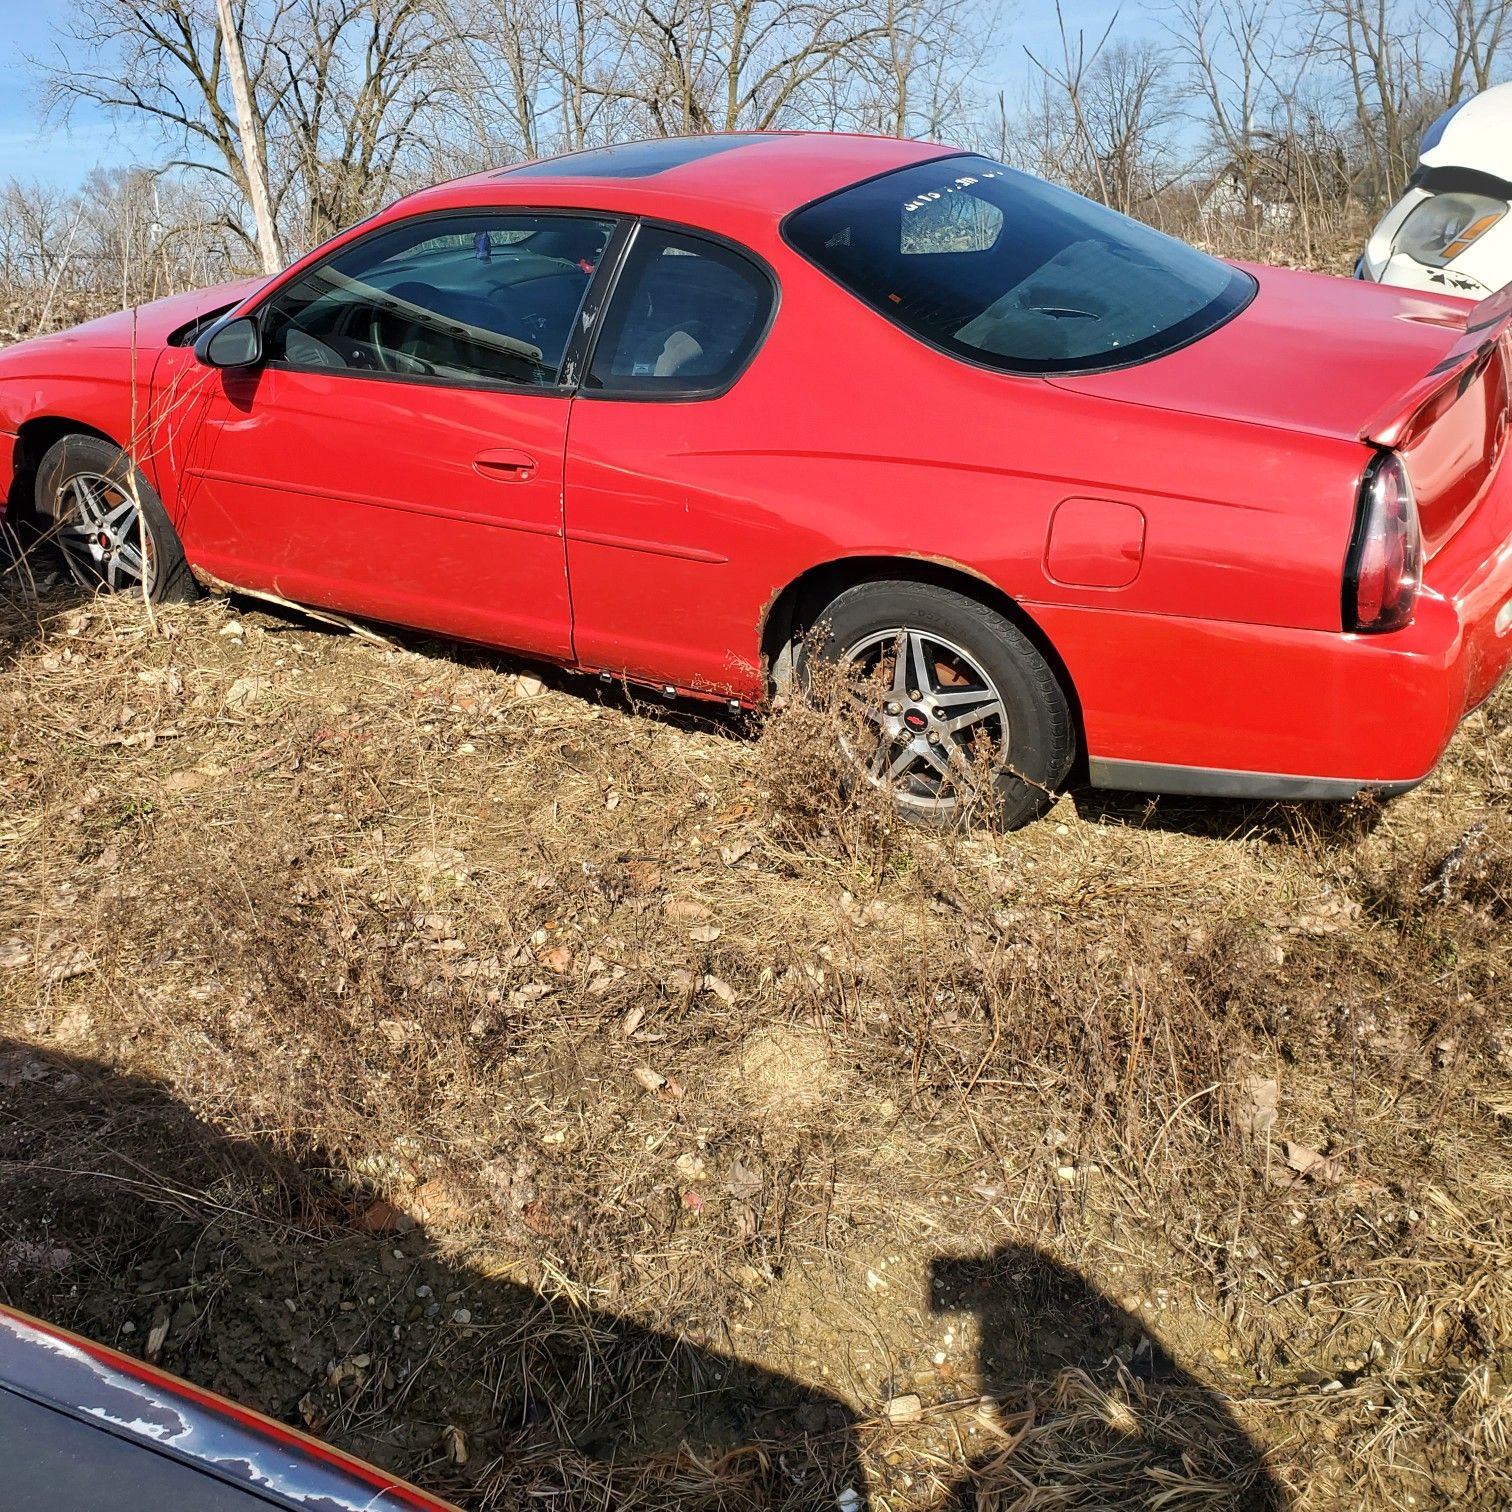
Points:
point(1004, 269)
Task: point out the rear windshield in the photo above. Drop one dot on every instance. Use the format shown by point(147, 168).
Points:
point(1002, 268)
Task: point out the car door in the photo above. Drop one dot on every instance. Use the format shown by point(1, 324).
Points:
point(663, 483)
point(398, 451)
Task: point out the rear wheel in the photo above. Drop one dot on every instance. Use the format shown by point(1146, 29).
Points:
point(952, 709)
point(108, 525)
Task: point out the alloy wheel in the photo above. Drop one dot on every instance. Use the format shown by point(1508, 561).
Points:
point(104, 540)
point(934, 728)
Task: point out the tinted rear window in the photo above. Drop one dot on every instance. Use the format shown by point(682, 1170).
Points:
point(1004, 269)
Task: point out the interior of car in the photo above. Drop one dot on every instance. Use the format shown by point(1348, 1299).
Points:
point(495, 303)
point(686, 311)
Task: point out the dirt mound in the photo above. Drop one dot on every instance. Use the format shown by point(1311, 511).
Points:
point(787, 1073)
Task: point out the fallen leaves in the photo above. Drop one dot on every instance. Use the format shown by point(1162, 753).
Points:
point(899, 1410)
point(157, 1336)
point(652, 1081)
point(1261, 1102)
point(382, 1217)
point(248, 691)
point(664, 1087)
point(1308, 1163)
point(744, 1183)
point(558, 958)
point(720, 988)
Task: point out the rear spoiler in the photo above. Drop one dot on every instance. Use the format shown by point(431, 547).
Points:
point(1486, 324)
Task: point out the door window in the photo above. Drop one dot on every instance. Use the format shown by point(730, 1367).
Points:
point(685, 318)
point(475, 299)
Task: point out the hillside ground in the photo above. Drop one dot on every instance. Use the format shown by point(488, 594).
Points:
point(573, 1102)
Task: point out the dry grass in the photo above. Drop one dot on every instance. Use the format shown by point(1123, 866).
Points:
point(293, 922)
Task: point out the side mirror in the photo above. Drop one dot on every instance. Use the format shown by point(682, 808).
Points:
point(233, 343)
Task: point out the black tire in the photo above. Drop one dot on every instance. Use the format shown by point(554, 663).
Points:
point(1034, 713)
point(86, 473)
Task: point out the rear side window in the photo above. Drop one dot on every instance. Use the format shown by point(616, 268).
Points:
point(685, 317)
point(998, 267)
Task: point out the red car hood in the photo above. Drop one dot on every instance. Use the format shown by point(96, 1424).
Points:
point(149, 325)
point(1310, 353)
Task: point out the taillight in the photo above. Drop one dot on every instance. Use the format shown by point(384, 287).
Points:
point(1384, 570)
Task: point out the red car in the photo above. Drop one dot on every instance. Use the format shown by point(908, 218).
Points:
point(1048, 481)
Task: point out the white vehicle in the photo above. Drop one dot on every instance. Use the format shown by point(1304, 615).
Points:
point(1451, 233)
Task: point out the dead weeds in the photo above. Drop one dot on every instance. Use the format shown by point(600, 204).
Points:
point(694, 1081)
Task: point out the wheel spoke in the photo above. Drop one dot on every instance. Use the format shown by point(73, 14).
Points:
point(128, 559)
point(900, 683)
point(91, 510)
point(950, 698)
point(974, 716)
point(931, 754)
point(862, 707)
point(118, 518)
point(900, 766)
point(81, 549)
point(922, 676)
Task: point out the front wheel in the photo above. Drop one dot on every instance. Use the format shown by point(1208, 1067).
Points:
point(954, 710)
point(109, 526)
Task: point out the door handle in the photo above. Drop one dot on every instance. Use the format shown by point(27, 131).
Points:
point(505, 465)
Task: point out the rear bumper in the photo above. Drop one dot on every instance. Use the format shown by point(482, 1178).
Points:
point(1193, 706)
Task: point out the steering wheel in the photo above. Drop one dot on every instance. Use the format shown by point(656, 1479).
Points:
point(381, 354)
point(388, 358)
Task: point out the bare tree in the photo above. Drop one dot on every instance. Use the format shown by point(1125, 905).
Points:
point(1474, 36)
point(341, 92)
point(728, 65)
point(917, 77)
point(1379, 49)
point(1063, 92)
point(1127, 117)
point(1227, 53)
point(254, 167)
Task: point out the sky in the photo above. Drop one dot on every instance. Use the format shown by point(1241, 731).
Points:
point(64, 155)
point(54, 153)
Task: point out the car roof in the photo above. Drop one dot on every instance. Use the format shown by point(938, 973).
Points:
point(1475, 134)
point(768, 172)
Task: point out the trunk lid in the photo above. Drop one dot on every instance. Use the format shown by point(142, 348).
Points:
point(1366, 363)
point(1450, 427)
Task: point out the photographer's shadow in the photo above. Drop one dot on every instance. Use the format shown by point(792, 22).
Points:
point(129, 1219)
point(1096, 1413)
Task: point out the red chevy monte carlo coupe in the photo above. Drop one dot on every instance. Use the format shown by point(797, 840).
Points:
point(1045, 479)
